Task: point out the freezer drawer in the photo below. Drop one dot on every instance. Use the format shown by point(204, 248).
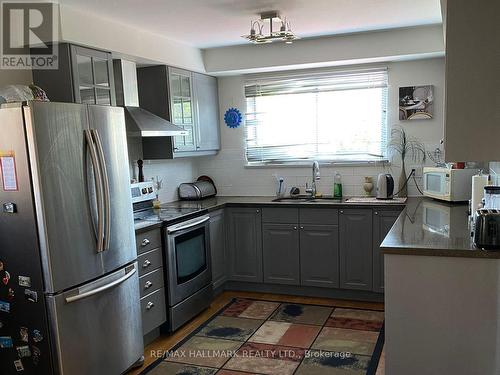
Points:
point(153, 310)
point(97, 327)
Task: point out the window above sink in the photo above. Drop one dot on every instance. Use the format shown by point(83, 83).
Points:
point(337, 117)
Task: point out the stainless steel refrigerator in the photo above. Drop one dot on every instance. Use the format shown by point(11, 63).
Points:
point(69, 290)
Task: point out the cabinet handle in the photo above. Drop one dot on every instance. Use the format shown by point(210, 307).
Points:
point(257, 211)
point(301, 227)
point(294, 228)
point(148, 284)
point(150, 305)
point(146, 263)
point(145, 242)
point(376, 213)
point(197, 147)
point(341, 212)
point(176, 148)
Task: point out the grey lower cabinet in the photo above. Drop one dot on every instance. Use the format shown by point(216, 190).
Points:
point(151, 280)
point(244, 240)
point(383, 220)
point(355, 239)
point(300, 246)
point(280, 249)
point(316, 247)
point(218, 248)
point(319, 255)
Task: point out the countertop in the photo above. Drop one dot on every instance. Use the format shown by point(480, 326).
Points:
point(215, 203)
point(430, 227)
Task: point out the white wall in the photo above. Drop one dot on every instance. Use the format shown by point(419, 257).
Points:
point(173, 172)
point(228, 167)
point(98, 32)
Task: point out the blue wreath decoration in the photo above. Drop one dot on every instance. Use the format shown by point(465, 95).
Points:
point(233, 118)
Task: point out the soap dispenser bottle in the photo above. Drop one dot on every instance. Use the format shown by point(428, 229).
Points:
point(337, 186)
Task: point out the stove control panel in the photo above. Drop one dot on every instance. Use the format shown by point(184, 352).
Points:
point(142, 191)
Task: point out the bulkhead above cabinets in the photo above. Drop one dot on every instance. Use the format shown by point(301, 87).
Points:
point(187, 99)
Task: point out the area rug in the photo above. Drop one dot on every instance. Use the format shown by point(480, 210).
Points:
point(271, 338)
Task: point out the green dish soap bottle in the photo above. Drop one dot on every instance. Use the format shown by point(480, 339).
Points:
point(337, 186)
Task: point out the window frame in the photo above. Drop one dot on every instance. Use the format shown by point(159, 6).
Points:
point(384, 160)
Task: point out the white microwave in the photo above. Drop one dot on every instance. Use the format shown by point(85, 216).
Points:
point(452, 185)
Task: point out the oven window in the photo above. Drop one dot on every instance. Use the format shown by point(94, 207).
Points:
point(190, 255)
point(433, 182)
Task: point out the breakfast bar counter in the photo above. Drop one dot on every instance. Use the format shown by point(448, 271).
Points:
point(441, 294)
point(430, 227)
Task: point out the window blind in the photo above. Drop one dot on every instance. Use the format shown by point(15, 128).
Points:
point(327, 116)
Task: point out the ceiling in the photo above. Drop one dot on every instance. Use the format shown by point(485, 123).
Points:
point(215, 23)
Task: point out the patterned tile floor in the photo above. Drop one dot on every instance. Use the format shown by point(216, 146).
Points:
point(272, 338)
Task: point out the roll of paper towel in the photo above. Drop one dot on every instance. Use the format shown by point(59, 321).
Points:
point(478, 184)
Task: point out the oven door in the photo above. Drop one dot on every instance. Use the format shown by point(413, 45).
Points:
point(188, 258)
point(436, 184)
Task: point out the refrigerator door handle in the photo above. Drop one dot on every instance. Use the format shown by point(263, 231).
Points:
point(99, 193)
point(105, 185)
point(101, 288)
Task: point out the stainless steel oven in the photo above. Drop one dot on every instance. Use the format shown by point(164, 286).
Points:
point(189, 277)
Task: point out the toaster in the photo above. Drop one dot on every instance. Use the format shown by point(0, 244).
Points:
point(487, 229)
point(197, 190)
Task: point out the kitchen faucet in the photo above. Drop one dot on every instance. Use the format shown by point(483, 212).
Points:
point(315, 177)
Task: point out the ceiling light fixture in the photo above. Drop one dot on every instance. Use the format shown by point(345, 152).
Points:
point(284, 34)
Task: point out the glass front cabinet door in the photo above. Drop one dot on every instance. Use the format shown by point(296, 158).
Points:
point(182, 111)
point(92, 76)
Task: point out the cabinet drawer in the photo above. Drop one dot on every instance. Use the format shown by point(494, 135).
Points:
point(151, 281)
point(153, 310)
point(149, 261)
point(319, 216)
point(148, 241)
point(280, 215)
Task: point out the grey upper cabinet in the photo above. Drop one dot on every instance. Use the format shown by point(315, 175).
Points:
point(182, 107)
point(472, 102)
point(187, 99)
point(382, 222)
point(280, 249)
point(355, 231)
point(319, 255)
point(244, 240)
point(218, 248)
point(84, 75)
point(207, 112)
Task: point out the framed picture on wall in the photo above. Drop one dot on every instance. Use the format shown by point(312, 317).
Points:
point(416, 102)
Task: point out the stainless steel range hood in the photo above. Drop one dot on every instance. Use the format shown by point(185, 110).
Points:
point(145, 124)
point(140, 123)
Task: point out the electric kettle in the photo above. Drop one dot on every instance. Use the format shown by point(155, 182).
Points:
point(385, 186)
